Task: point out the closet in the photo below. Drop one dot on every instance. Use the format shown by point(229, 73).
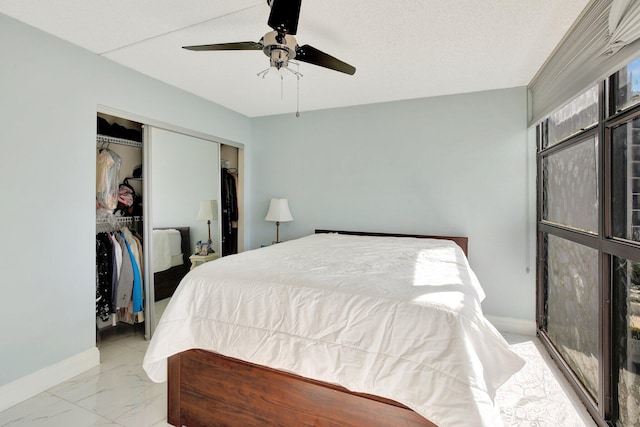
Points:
point(167, 172)
point(120, 272)
point(231, 200)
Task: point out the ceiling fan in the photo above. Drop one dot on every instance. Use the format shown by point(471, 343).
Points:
point(280, 45)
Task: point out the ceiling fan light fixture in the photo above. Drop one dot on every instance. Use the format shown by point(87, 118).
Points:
point(279, 58)
point(280, 48)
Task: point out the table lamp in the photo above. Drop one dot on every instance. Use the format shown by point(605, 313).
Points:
point(278, 212)
point(208, 211)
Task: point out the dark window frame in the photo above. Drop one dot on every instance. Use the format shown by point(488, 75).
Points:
point(605, 409)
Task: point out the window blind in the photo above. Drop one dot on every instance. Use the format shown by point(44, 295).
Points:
point(624, 24)
point(604, 38)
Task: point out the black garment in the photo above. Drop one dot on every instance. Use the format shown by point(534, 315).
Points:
point(229, 207)
point(114, 275)
point(104, 271)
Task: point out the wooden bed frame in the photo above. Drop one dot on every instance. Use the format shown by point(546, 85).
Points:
point(463, 242)
point(208, 389)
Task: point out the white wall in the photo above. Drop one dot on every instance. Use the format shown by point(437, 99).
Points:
point(49, 95)
point(451, 165)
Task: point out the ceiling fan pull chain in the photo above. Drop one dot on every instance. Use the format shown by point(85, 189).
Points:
point(281, 87)
point(298, 90)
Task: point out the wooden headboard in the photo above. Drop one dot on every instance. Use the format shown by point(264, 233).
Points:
point(463, 242)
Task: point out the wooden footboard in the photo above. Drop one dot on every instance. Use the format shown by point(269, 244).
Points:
point(207, 389)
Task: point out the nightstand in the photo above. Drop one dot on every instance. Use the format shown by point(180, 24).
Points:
point(196, 260)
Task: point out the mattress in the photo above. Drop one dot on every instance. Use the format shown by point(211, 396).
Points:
point(395, 317)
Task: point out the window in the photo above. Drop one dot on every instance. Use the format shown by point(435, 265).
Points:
point(570, 186)
point(589, 244)
point(576, 116)
point(571, 306)
point(625, 191)
point(626, 342)
point(626, 86)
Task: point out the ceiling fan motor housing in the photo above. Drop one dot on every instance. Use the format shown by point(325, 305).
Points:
point(280, 48)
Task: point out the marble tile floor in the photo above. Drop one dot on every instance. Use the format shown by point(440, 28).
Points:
point(118, 393)
point(539, 395)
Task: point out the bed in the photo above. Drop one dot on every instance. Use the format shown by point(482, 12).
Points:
point(170, 259)
point(332, 329)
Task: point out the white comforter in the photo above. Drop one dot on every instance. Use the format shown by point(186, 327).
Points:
point(394, 317)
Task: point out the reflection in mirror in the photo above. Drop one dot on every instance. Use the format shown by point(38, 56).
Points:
point(184, 172)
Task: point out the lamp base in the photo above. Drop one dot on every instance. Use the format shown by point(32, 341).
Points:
point(277, 233)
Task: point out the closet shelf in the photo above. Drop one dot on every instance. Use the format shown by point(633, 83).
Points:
point(115, 222)
point(104, 139)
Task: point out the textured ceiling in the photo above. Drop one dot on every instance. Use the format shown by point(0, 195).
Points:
point(401, 49)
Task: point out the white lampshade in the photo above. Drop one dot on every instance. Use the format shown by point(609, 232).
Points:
point(208, 210)
point(279, 211)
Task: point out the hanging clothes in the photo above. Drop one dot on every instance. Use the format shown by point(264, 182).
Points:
point(119, 277)
point(125, 278)
point(229, 207)
point(136, 295)
point(137, 238)
point(107, 169)
point(104, 276)
point(117, 267)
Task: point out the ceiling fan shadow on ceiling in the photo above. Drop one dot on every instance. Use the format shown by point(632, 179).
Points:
point(280, 45)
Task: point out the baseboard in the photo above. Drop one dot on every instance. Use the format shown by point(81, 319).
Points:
point(45, 378)
point(515, 326)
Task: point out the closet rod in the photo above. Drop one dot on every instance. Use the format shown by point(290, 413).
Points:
point(115, 223)
point(104, 139)
point(119, 219)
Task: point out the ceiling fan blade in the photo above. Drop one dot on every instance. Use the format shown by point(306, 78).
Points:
point(284, 16)
point(226, 46)
point(314, 56)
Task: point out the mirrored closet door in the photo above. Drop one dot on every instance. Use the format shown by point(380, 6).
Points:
point(183, 209)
